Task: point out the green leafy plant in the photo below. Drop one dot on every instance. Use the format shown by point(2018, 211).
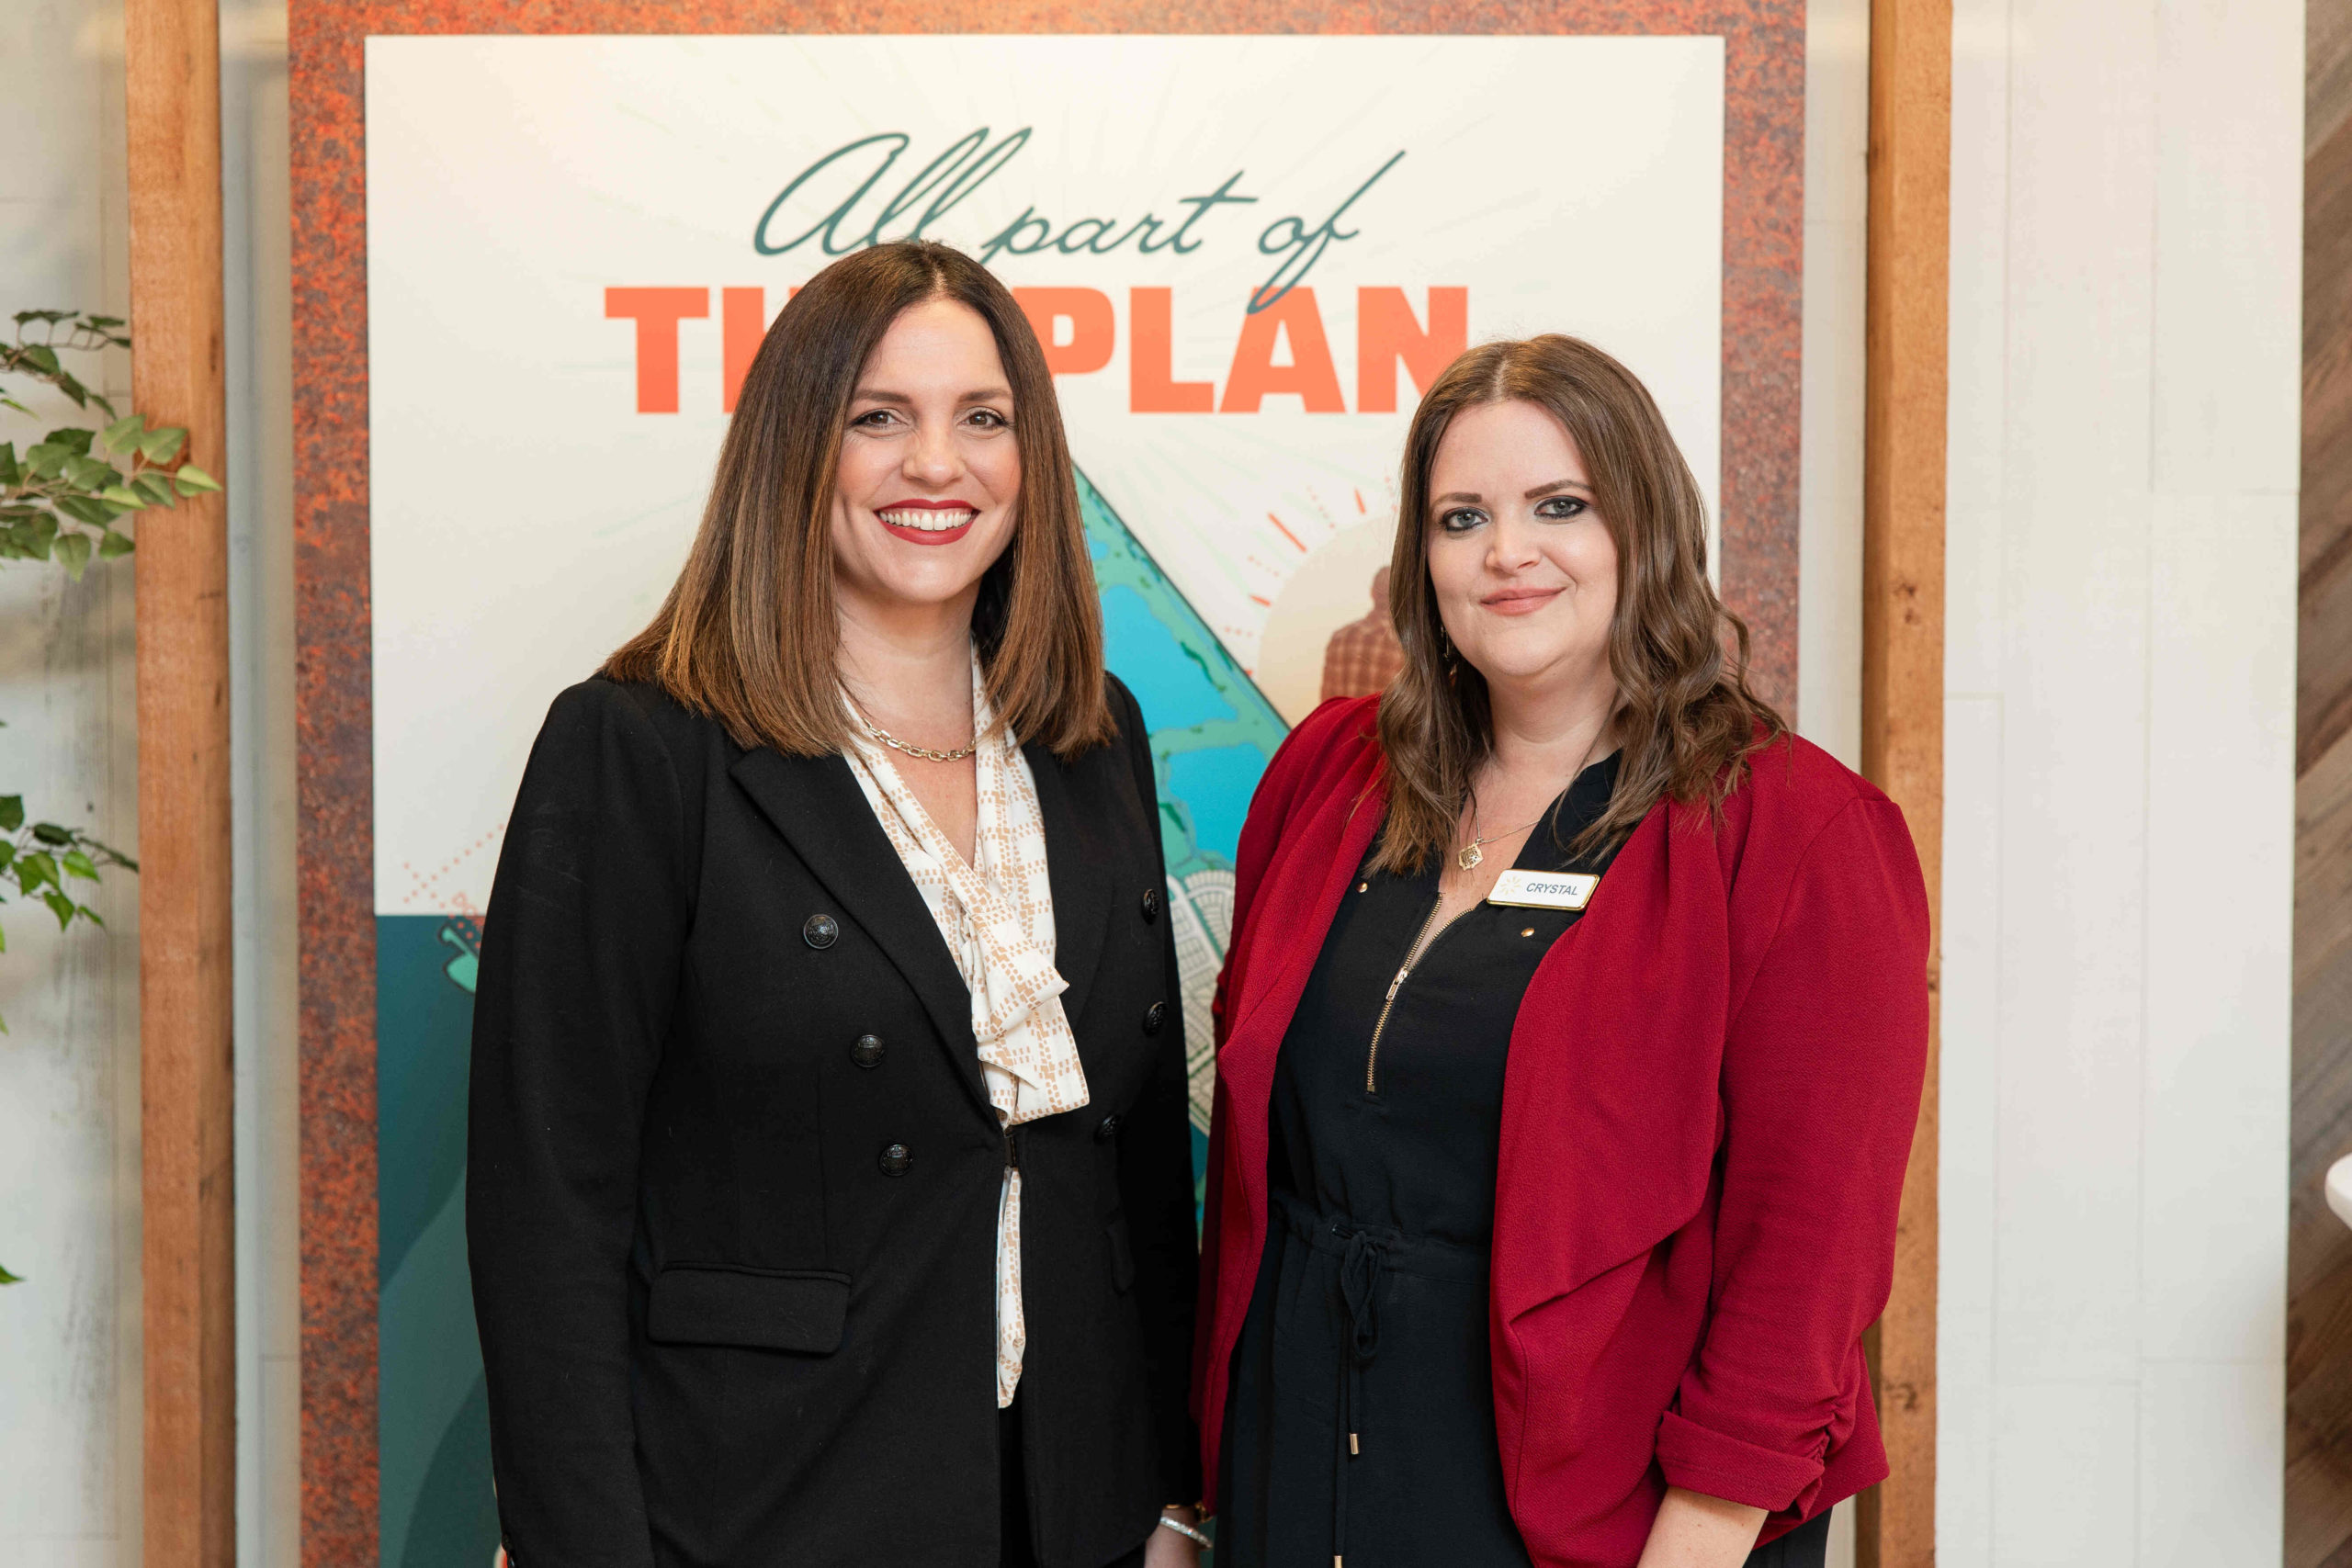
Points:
point(37, 859)
point(61, 499)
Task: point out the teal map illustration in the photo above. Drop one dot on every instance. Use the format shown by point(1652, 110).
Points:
point(1211, 735)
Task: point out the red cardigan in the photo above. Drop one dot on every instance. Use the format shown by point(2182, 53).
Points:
point(1710, 1099)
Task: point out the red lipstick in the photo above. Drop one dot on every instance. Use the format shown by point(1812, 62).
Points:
point(921, 522)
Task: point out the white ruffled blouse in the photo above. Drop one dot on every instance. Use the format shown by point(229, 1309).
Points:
point(997, 916)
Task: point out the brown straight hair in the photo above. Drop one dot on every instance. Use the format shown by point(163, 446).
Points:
point(1685, 717)
point(749, 635)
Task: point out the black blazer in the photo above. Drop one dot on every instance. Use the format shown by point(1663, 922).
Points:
point(732, 1172)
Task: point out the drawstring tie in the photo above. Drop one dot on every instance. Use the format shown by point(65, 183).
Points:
point(1360, 1264)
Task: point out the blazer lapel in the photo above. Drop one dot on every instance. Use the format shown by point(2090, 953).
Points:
point(1076, 868)
point(1302, 898)
point(1615, 1065)
point(1293, 914)
point(815, 803)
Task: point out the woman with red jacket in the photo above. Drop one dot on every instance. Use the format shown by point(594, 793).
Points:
point(1570, 1043)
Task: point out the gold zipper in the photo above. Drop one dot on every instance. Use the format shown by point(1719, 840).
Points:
point(1412, 956)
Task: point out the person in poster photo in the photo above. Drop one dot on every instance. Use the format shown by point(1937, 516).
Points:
point(1570, 1044)
point(830, 1191)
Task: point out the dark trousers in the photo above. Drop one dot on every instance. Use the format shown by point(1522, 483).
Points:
point(1013, 1477)
point(1807, 1546)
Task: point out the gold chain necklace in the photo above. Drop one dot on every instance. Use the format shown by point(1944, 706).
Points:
point(925, 752)
point(1471, 855)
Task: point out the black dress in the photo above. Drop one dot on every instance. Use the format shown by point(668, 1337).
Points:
point(1361, 1424)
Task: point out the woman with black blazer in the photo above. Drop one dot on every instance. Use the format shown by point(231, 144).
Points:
point(830, 1191)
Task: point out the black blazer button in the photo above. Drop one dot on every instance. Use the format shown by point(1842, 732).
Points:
point(1155, 1017)
point(867, 1052)
point(1107, 1129)
point(821, 932)
point(1151, 904)
point(897, 1159)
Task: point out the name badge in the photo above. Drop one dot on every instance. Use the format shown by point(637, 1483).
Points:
point(1544, 889)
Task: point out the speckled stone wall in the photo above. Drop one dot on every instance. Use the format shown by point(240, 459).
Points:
point(1763, 261)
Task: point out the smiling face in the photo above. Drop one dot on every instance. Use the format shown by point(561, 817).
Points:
point(929, 479)
point(1523, 569)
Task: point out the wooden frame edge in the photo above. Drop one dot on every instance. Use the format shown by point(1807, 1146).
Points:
point(1905, 399)
point(1762, 298)
point(187, 1035)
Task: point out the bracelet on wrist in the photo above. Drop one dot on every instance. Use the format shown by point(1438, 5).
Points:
point(1197, 1537)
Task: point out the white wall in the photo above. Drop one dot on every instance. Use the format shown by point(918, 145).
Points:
point(69, 1070)
point(259, 304)
point(1836, 213)
point(68, 1067)
point(2118, 780)
point(1829, 545)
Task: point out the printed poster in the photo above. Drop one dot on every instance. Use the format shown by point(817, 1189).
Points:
point(1244, 256)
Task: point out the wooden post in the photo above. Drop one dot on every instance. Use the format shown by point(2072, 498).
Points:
point(1903, 668)
point(173, 90)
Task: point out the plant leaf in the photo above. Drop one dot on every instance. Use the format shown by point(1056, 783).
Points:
point(162, 444)
point(40, 356)
point(49, 833)
point(12, 813)
point(191, 479)
point(123, 496)
point(76, 863)
point(89, 473)
point(62, 907)
point(111, 543)
point(74, 553)
point(125, 434)
point(156, 487)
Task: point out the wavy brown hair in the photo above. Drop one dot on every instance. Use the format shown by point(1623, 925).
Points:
point(750, 634)
point(1686, 719)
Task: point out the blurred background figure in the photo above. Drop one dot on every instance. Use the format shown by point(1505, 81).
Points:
point(1364, 656)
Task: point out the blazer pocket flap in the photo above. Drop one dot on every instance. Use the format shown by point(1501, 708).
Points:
point(796, 1310)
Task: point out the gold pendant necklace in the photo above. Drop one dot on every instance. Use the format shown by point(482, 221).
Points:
point(1471, 855)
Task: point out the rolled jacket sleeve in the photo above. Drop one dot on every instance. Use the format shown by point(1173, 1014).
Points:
point(1822, 1069)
